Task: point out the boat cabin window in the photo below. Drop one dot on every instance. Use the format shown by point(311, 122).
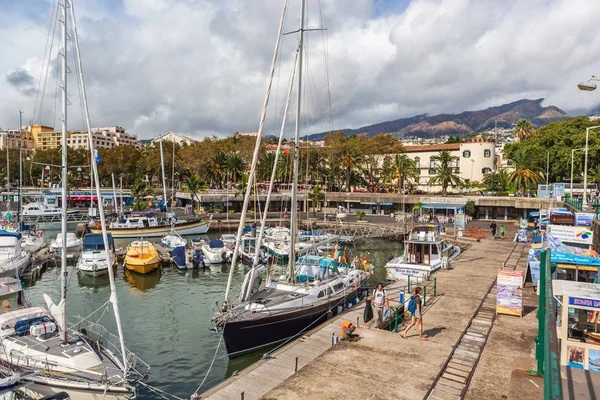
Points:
point(145, 223)
point(339, 286)
point(434, 250)
point(321, 294)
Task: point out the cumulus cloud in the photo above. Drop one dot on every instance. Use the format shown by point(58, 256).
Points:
point(200, 66)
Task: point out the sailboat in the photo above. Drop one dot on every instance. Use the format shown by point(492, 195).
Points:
point(83, 358)
point(312, 291)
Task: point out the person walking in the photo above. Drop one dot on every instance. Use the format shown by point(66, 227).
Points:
point(414, 307)
point(502, 231)
point(380, 300)
point(493, 227)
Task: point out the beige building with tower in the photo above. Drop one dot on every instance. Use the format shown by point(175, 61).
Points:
point(475, 160)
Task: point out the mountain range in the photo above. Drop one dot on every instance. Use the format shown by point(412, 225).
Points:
point(467, 122)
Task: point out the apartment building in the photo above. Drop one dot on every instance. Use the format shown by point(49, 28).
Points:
point(11, 138)
point(105, 137)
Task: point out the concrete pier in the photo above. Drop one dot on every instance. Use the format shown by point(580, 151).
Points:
point(381, 364)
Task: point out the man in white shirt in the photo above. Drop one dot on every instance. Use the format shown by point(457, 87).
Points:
point(380, 300)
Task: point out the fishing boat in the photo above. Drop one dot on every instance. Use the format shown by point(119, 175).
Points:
point(182, 258)
point(82, 357)
point(215, 252)
point(73, 244)
point(173, 240)
point(142, 257)
point(135, 227)
point(310, 292)
point(94, 260)
point(13, 259)
point(425, 251)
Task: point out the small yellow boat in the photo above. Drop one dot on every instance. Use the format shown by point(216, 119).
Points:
point(142, 257)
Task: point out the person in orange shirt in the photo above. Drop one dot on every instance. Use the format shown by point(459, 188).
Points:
point(347, 330)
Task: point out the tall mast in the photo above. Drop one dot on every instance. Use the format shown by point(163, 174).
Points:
point(20, 166)
point(294, 205)
point(173, 180)
point(63, 229)
point(121, 191)
point(252, 173)
point(86, 111)
point(112, 175)
point(162, 166)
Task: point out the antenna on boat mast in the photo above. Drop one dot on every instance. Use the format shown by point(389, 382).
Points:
point(294, 205)
point(86, 111)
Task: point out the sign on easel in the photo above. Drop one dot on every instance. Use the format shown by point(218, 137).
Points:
point(509, 295)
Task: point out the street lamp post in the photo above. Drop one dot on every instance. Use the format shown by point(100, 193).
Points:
point(572, 155)
point(585, 163)
point(471, 180)
point(45, 170)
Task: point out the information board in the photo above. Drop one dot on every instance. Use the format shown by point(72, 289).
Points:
point(509, 295)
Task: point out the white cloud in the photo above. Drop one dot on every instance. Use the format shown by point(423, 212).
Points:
point(200, 66)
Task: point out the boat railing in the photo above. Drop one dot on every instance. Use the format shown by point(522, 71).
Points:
point(98, 334)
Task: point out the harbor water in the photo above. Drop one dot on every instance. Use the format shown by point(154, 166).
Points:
point(166, 314)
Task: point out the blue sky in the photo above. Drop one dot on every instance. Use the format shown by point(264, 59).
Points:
point(200, 67)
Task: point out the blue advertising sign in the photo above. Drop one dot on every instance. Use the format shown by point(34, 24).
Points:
point(578, 301)
point(584, 219)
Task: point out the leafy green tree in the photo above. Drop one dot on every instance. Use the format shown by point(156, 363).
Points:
point(265, 166)
point(351, 159)
point(470, 208)
point(526, 173)
point(445, 174)
point(524, 129)
point(139, 190)
point(316, 195)
point(217, 168)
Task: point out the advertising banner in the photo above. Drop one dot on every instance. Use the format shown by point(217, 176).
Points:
point(509, 296)
point(459, 220)
point(584, 219)
point(571, 234)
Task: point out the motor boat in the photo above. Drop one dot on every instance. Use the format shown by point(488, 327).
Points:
point(173, 240)
point(215, 252)
point(94, 260)
point(32, 241)
point(183, 259)
point(141, 257)
point(13, 259)
point(73, 244)
point(425, 251)
point(40, 209)
point(228, 239)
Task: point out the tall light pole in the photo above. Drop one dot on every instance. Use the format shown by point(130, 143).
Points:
point(471, 180)
point(572, 155)
point(585, 163)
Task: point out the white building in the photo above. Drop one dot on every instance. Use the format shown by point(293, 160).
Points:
point(174, 137)
point(105, 137)
point(475, 160)
point(238, 135)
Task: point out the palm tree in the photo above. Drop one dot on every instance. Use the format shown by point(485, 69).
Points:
point(499, 179)
point(139, 190)
point(404, 168)
point(316, 195)
point(524, 129)
point(194, 185)
point(265, 166)
point(235, 166)
point(217, 168)
point(526, 172)
point(594, 175)
point(360, 215)
point(351, 159)
point(445, 175)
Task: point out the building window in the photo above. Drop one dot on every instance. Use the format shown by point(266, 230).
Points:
point(487, 153)
point(486, 170)
point(431, 163)
point(417, 162)
point(466, 153)
point(432, 171)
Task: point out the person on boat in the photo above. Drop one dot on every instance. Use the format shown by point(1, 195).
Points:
point(347, 330)
point(380, 300)
point(417, 315)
